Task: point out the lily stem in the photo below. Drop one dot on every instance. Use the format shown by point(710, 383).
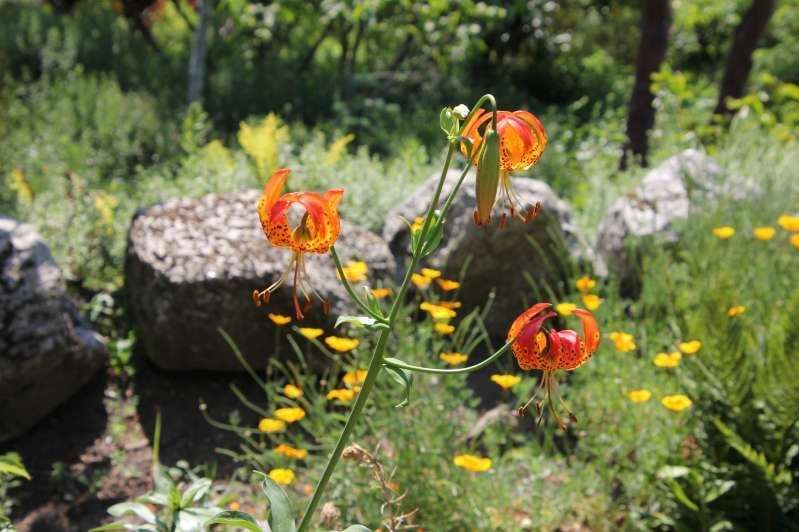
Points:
point(376, 362)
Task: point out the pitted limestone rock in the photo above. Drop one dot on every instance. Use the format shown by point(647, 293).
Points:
point(503, 259)
point(193, 263)
point(46, 351)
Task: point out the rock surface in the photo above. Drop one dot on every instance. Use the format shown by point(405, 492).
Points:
point(46, 351)
point(664, 195)
point(191, 268)
point(498, 257)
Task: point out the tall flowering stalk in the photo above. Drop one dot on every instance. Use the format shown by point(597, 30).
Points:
point(497, 142)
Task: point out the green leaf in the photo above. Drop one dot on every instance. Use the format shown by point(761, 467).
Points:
point(140, 510)
point(449, 122)
point(239, 519)
point(435, 235)
point(357, 528)
point(281, 515)
point(681, 496)
point(361, 321)
point(198, 489)
point(403, 378)
point(673, 472)
point(11, 464)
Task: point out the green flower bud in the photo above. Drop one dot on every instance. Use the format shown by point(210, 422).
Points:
point(487, 181)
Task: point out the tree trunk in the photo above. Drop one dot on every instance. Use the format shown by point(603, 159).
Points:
point(198, 50)
point(739, 62)
point(655, 24)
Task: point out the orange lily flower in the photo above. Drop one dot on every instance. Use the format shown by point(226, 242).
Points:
point(315, 232)
point(522, 140)
point(551, 350)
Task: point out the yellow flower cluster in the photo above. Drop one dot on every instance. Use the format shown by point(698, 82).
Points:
point(291, 452)
point(340, 344)
point(506, 381)
point(675, 403)
point(355, 271)
point(282, 476)
point(591, 301)
point(623, 341)
point(292, 392)
point(380, 293)
point(787, 222)
point(667, 360)
point(470, 462)
point(453, 359)
point(310, 333)
point(343, 395)
point(279, 319)
point(290, 414)
point(736, 310)
point(437, 312)
point(690, 348)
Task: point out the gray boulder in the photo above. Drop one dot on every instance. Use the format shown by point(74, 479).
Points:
point(46, 351)
point(667, 193)
point(502, 259)
point(191, 268)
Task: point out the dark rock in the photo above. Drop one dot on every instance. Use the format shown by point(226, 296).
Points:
point(46, 351)
point(191, 268)
point(500, 259)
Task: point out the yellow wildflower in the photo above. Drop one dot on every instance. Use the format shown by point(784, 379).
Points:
point(105, 204)
point(591, 301)
point(444, 328)
point(282, 476)
point(470, 462)
point(234, 506)
point(639, 396)
point(437, 312)
point(355, 271)
point(667, 360)
point(345, 395)
point(676, 403)
point(585, 284)
point(623, 341)
point(310, 333)
point(724, 232)
point(292, 392)
point(291, 452)
point(453, 359)
point(794, 240)
point(262, 141)
point(789, 223)
point(380, 293)
point(764, 233)
point(352, 378)
point(340, 344)
point(290, 414)
point(431, 273)
point(565, 309)
point(417, 224)
point(279, 319)
point(270, 425)
point(448, 285)
point(737, 310)
point(690, 348)
point(420, 281)
point(506, 381)
point(17, 182)
point(449, 304)
point(337, 148)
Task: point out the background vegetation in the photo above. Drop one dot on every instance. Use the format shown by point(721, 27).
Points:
point(94, 123)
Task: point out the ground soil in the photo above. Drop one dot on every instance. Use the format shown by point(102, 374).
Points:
point(96, 449)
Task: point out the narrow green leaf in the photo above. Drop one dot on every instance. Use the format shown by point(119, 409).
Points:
point(140, 510)
point(198, 489)
point(239, 519)
point(357, 321)
point(11, 464)
point(281, 515)
point(403, 378)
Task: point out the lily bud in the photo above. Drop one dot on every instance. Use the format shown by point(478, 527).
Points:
point(487, 182)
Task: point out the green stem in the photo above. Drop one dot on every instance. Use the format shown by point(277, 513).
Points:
point(350, 290)
point(396, 363)
point(376, 363)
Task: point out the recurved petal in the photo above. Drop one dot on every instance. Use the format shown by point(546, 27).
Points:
point(590, 330)
point(569, 349)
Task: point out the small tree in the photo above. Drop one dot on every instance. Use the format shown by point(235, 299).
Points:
point(655, 25)
point(739, 61)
